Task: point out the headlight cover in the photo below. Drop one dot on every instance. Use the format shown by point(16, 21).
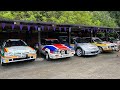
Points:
point(72, 49)
point(56, 52)
point(32, 51)
point(105, 47)
point(85, 48)
point(8, 54)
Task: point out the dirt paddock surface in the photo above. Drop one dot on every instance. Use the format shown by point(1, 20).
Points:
point(102, 66)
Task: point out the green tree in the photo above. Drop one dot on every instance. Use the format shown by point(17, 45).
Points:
point(94, 18)
point(103, 19)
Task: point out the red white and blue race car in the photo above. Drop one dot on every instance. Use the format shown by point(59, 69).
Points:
point(52, 49)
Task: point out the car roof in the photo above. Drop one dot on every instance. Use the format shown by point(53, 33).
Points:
point(63, 36)
point(76, 37)
point(13, 39)
point(91, 37)
point(51, 39)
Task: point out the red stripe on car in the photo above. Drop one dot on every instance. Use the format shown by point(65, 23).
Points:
point(60, 46)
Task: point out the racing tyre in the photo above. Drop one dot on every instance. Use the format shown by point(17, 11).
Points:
point(32, 60)
point(101, 50)
point(47, 57)
point(3, 64)
point(79, 52)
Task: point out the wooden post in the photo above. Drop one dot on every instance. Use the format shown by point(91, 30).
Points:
point(39, 40)
point(106, 35)
point(69, 35)
point(91, 34)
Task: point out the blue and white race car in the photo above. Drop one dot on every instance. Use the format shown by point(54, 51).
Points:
point(52, 49)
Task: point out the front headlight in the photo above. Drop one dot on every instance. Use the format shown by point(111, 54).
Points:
point(56, 52)
point(105, 47)
point(8, 54)
point(32, 51)
point(85, 48)
point(72, 49)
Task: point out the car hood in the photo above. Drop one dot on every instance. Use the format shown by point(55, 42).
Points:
point(19, 49)
point(87, 46)
point(106, 43)
point(109, 43)
point(61, 46)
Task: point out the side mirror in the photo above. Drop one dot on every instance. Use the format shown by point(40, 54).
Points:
point(73, 42)
point(95, 42)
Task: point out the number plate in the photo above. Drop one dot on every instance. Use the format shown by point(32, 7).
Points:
point(65, 55)
point(23, 55)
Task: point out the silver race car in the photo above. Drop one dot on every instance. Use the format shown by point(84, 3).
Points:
point(83, 47)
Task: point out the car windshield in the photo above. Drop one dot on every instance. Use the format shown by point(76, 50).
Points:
point(81, 40)
point(63, 37)
point(97, 40)
point(112, 39)
point(15, 43)
point(51, 42)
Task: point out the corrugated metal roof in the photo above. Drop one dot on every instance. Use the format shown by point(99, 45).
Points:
point(51, 23)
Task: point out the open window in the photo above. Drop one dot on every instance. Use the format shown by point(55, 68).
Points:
point(42, 42)
point(72, 41)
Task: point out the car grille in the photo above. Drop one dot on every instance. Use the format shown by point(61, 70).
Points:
point(21, 54)
point(64, 52)
point(111, 46)
point(95, 52)
point(21, 58)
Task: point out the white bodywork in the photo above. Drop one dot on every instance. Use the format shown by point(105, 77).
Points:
point(58, 54)
point(17, 53)
point(57, 51)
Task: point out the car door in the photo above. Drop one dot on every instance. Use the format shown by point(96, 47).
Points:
point(42, 46)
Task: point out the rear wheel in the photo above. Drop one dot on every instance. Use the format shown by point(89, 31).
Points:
point(79, 52)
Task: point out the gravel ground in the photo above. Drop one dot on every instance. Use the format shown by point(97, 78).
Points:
point(102, 66)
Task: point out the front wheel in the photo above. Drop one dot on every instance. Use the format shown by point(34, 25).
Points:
point(100, 49)
point(79, 52)
point(32, 60)
point(47, 57)
point(3, 64)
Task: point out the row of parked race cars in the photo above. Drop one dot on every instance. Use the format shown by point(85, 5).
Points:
point(14, 50)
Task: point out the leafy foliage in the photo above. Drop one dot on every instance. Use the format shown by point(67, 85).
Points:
point(94, 18)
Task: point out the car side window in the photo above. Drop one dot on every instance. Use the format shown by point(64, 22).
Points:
point(0, 44)
point(72, 41)
point(43, 42)
point(92, 41)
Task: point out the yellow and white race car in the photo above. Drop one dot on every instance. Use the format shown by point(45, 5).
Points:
point(14, 50)
point(103, 45)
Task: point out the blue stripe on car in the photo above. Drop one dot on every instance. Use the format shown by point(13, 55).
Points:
point(68, 46)
point(51, 48)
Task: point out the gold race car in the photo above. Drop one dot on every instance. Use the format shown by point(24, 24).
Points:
point(103, 45)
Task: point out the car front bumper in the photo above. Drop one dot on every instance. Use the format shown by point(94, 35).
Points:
point(58, 56)
point(17, 59)
point(111, 49)
point(91, 52)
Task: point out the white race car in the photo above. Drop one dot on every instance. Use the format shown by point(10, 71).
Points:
point(54, 50)
point(14, 50)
